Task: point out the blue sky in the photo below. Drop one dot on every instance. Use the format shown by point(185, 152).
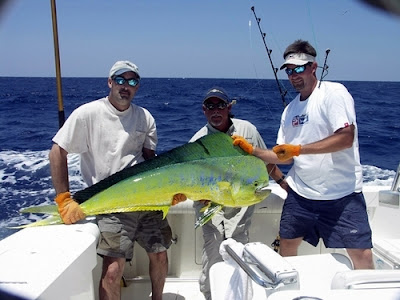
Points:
point(197, 38)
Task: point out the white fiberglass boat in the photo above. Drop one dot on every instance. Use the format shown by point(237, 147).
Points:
point(60, 261)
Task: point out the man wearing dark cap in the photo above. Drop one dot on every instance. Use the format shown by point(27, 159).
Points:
point(230, 222)
point(318, 135)
point(111, 134)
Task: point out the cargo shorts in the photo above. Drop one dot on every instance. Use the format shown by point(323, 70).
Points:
point(119, 231)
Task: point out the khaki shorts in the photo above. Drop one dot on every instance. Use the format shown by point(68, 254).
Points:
point(119, 231)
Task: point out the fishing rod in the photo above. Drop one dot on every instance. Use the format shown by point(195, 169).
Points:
point(61, 115)
point(282, 91)
point(325, 67)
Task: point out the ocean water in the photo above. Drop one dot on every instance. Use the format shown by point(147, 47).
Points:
point(29, 120)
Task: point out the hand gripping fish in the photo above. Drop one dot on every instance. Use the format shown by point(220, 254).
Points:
point(210, 168)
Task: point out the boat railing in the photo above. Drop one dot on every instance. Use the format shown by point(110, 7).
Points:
point(396, 181)
point(391, 198)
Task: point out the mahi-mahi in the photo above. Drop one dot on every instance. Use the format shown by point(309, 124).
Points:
point(210, 168)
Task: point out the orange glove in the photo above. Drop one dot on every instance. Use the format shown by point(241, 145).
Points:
point(286, 151)
point(178, 198)
point(242, 143)
point(69, 210)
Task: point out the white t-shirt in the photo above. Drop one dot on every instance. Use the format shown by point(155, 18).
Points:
point(322, 176)
point(107, 140)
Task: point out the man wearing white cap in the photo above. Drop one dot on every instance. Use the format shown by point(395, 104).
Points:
point(111, 134)
point(318, 135)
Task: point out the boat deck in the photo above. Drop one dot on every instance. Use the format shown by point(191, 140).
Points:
point(60, 262)
point(174, 289)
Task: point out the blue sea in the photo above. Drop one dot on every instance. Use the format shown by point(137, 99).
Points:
point(29, 120)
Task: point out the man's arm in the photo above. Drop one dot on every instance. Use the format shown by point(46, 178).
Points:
point(276, 174)
point(59, 169)
point(69, 210)
point(268, 156)
point(342, 139)
point(148, 153)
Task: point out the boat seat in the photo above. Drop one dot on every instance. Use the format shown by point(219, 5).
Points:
point(272, 269)
point(272, 273)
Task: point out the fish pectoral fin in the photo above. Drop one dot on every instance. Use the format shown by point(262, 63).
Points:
point(225, 190)
point(177, 198)
point(224, 186)
point(42, 209)
point(165, 210)
point(209, 212)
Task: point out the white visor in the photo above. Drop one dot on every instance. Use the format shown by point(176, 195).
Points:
point(297, 59)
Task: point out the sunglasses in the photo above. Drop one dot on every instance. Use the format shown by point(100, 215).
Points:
point(297, 70)
point(212, 106)
point(121, 80)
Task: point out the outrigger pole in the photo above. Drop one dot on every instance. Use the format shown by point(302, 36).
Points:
point(282, 91)
point(61, 115)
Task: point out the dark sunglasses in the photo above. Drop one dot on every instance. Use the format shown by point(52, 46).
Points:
point(121, 80)
point(297, 70)
point(212, 106)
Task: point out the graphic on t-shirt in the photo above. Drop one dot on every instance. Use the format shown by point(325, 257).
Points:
point(300, 120)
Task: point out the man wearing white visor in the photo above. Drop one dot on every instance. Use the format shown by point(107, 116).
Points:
point(318, 136)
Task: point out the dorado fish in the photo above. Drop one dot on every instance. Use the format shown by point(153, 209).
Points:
point(210, 168)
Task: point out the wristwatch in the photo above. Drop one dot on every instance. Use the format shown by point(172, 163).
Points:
point(280, 180)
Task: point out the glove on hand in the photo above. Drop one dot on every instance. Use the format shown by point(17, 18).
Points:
point(242, 143)
point(178, 198)
point(69, 210)
point(286, 151)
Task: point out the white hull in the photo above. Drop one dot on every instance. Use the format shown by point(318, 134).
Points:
point(60, 262)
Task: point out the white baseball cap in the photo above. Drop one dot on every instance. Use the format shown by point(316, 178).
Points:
point(123, 66)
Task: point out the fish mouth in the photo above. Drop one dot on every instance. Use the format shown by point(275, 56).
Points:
point(263, 190)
